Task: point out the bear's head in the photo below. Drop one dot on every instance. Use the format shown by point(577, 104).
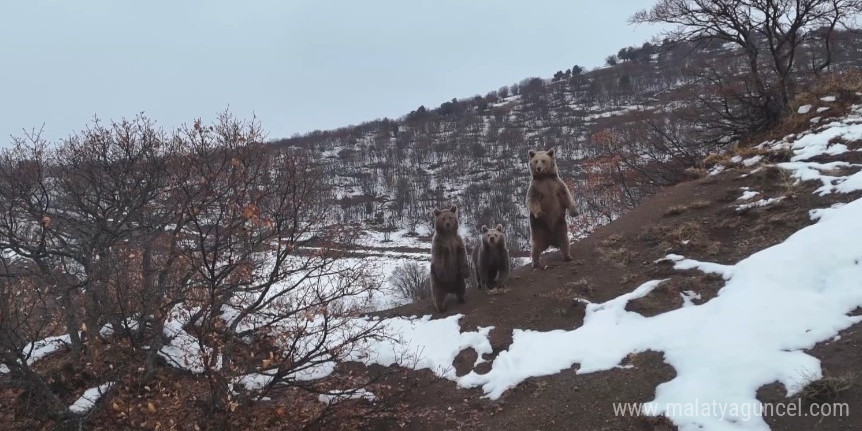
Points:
point(542, 163)
point(493, 237)
point(446, 220)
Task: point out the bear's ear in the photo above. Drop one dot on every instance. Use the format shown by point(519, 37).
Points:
point(484, 229)
point(531, 153)
point(551, 152)
point(436, 212)
point(499, 227)
point(454, 209)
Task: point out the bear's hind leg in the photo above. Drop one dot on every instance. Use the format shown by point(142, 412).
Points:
point(565, 246)
point(536, 250)
point(480, 279)
point(438, 295)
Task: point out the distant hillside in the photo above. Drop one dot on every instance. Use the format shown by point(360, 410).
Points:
point(472, 151)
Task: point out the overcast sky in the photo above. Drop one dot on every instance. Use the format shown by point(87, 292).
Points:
point(297, 65)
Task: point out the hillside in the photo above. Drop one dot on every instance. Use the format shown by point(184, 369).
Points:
point(472, 151)
point(569, 342)
point(203, 278)
point(735, 289)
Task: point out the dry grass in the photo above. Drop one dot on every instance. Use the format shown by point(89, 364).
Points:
point(627, 277)
point(747, 152)
point(691, 236)
point(652, 234)
point(844, 85)
point(770, 173)
point(680, 209)
point(827, 388)
point(571, 290)
point(620, 256)
point(612, 239)
point(697, 205)
point(696, 173)
point(717, 158)
point(498, 291)
point(835, 84)
point(687, 231)
point(789, 185)
point(582, 285)
point(675, 210)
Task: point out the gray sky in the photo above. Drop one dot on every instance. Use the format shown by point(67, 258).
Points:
point(298, 65)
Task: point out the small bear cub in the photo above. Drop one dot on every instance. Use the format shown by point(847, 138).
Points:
point(449, 267)
point(491, 259)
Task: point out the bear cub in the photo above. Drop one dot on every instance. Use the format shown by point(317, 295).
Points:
point(449, 267)
point(491, 259)
point(548, 199)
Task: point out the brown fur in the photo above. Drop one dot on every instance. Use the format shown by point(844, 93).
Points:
point(491, 259)
point(449, 267)
point(548, 199)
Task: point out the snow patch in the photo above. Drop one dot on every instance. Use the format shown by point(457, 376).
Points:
point(688, 297)
point(42, 348)
point(416, 343)
point(751, 161)
point(183, 350)
point(748, 194)
point(717, 169)
point(354, 394)
point(759, 203)
point(254, 382)
point(131, 323)
point(90, 398)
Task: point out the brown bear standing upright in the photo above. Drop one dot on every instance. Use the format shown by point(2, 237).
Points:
point(548, 198)
point(449, 267)
point(491, 259)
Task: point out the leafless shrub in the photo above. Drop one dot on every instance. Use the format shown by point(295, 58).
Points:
point(412, 280)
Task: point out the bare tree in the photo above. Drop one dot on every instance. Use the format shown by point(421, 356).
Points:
point(774, 28)
point(204, 247)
